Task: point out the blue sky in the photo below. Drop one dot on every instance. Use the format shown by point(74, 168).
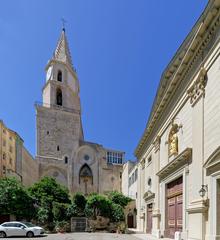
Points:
point(119, 48)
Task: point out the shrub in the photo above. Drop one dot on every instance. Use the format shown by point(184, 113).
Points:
point(117, 213)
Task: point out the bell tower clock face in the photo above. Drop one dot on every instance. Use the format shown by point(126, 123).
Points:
point(49, 73)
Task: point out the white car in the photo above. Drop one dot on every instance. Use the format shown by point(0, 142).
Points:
point(8, 229)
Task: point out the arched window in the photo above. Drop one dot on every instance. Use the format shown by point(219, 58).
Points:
point(85, 173)
point(59, 97)
point(59, 76)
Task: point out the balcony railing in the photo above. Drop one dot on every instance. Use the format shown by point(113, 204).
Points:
point(56, 107)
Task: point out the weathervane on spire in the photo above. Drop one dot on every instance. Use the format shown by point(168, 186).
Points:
point(63, 23)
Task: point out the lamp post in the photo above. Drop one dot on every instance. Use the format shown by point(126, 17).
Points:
point(203, 191)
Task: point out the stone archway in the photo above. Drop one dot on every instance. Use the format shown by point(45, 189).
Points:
point(86, 177)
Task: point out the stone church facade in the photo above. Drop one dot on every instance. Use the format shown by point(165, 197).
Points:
point(62, 152)
point(178, 189)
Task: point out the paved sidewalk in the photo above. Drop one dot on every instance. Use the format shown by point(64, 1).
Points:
point(143, 236)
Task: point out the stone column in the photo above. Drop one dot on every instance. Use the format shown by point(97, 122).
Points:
point(156, 207)
point(197, 205)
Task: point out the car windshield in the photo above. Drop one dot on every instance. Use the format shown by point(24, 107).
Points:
point(28, 224)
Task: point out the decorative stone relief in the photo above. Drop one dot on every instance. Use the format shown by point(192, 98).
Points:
point(197, 90)
point(173, 141)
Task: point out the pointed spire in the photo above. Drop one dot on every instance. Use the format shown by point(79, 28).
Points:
point(62, 52)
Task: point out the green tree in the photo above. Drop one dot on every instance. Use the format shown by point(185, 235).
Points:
point(117, 213)
point(80, 201)
point(119, 198)
point(60, 211)
point(98, 205)
point(15, 200)
point(46, 192)
point(77, 208)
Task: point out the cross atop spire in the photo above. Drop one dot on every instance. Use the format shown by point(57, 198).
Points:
point(62, 52)
point(63, 23)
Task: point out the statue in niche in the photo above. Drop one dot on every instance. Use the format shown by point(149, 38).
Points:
point(173, 140)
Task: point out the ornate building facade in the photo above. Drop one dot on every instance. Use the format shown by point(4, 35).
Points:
point(62, 151)
point(179, 152)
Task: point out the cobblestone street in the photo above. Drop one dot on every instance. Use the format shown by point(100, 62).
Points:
point(83, 236)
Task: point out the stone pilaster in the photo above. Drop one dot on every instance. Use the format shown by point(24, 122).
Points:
point(197, 207)
point(156, 208)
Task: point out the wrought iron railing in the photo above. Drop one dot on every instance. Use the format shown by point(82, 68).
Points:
point(56, 107)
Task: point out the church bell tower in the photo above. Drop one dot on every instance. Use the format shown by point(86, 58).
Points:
point(59, 128)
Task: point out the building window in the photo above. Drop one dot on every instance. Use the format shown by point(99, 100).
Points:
point(10, 138)
point(114, 157)
point(4, 142)
point(120, 175)
point(129, 182)
point(149, 182)
point(58, 148)
point(10, 149)
point(66, 160)
point(59, 76)
point(10, 161)
point(59, 97)
point(85, 174)
point(4, 169)
point(132, 178)
point(4, 156)
point(48, 132)
point(149, 160)
point(136, 175)
point(86, 157)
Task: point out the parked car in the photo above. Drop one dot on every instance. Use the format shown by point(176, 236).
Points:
point(8, 229)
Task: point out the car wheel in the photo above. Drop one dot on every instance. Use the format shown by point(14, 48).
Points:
point(2, 234)
point(30, 234)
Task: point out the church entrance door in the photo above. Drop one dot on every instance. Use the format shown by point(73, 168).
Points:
point(174, 209)
point(149, 217)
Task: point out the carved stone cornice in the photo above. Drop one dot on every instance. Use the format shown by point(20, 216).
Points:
point(157, 144)
point(182, 159)
point(148, 196)
point(198, 206)
point(197, 90)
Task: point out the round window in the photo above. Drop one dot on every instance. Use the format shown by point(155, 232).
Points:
point(149, 182)
point(86, 157)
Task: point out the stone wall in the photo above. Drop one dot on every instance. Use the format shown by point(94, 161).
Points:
point(29, 168)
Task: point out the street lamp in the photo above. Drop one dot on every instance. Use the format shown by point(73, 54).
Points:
point(203, 190)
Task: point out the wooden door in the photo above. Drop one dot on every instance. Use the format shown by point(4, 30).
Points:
point(130, 221)
point(149, 217)
point(174, 199)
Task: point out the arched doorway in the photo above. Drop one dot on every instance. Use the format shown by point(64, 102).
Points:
point(85, 177)
point(130, 220)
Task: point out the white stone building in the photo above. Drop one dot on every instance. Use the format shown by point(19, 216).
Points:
point(62, 151)
point(129, 188)
point(179, 152)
